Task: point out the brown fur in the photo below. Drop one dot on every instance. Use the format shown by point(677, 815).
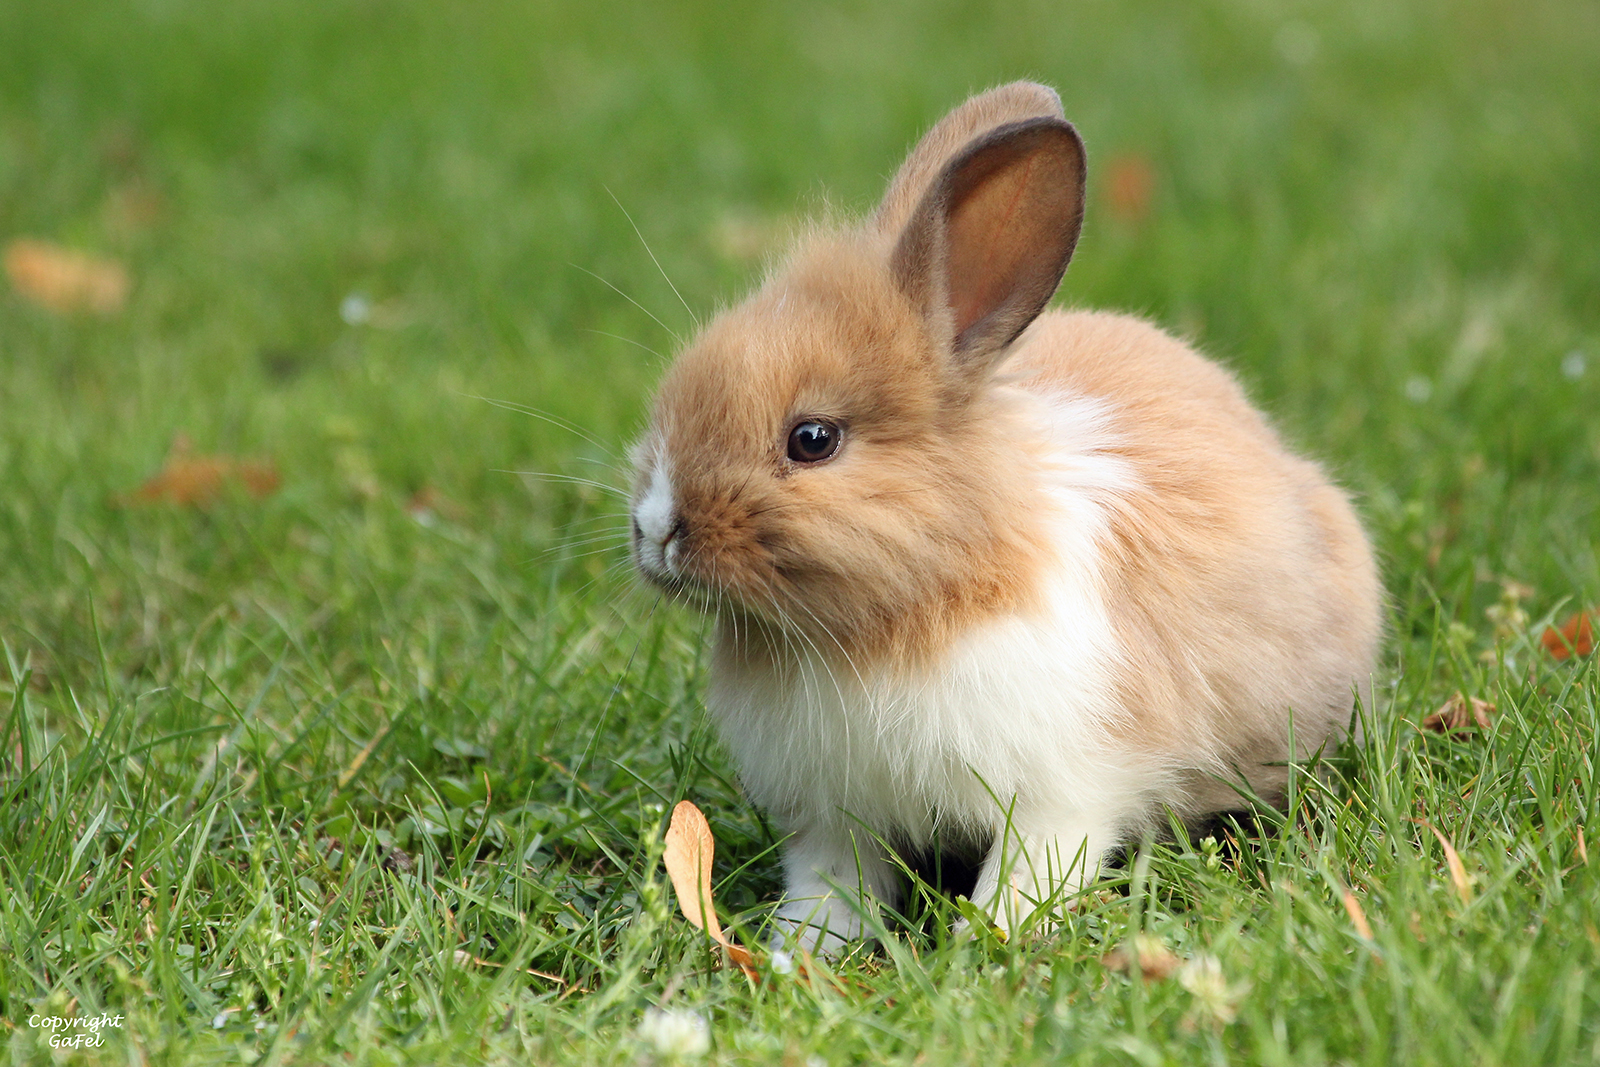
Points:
point(1238, 575)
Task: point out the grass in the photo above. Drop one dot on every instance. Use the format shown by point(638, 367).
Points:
point(374, 769)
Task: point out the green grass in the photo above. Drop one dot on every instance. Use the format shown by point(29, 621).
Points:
point(275, 775)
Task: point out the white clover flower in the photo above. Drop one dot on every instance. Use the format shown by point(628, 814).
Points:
point(1215, 997)
point(677, 1033)
point(355, 309)
point(782, 962)
point(1418, 389)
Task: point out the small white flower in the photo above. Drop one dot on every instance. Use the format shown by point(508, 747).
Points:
point(1216, 998)
point(355, 309)
point(677, 1033)
point(782, 962)
point(1418, 389)
point(1574, 365)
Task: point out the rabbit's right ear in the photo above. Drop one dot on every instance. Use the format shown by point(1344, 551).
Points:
point(984, 249)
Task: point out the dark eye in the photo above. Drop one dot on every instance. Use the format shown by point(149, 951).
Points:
point(813, 441)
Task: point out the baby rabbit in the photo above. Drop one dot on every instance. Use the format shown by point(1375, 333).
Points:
point(1022, 580)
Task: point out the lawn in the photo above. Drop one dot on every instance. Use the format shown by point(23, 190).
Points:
point(366, 757)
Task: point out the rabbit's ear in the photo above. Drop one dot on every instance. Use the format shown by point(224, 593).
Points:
point(984, 250)
point(987, 111)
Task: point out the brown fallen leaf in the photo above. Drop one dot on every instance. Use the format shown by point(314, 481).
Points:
point(687, 857)
point(1154, 960)
point(1575, 637)
point(1130, 182)
point(197, 480)
point(63, 280)
point(1459, 714)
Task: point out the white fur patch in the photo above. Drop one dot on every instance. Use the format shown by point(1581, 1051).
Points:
point(655, 512)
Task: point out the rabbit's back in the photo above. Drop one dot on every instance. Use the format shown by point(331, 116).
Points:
point(1238, 580)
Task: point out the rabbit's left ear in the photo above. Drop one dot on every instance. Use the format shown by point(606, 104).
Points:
point(985, 249)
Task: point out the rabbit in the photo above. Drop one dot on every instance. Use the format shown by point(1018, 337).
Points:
point(1018, 579)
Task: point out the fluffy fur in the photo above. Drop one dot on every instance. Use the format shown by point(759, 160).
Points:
point(1059, 576)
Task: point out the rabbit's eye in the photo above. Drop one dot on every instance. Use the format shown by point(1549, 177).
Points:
point(813, 441)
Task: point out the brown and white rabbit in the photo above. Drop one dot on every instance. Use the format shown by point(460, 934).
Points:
point(1020, 578)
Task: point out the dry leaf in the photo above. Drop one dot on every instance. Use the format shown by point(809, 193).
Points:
point(1155, 961)
point(689, 852)
point(195, 481)
point(1459, 714)
point(63, 280)
point(1130, 182)
point(1458, 870)
point(1575, 637)
point(690, 849)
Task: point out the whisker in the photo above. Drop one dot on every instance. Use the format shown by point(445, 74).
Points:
point(552, 419)
point(619, 537)
point(652, 255)
point(848, 659)
point(619, 571)
point(627, 340)
point(569, 479)
point(823, 659)
point(564, 551)
point(670, 331)
point(594, 524)
point(808, 666)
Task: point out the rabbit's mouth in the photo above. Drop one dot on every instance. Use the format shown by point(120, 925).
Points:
point(699, 554)
point(659, 561)
point(654, 557)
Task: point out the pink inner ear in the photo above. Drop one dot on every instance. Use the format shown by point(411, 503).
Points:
point(1011, 226)
point(992, 235)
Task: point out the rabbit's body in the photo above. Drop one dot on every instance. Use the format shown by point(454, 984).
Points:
point(1027, 585)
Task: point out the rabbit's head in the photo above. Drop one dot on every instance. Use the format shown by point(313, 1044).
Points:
point(831, 461)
